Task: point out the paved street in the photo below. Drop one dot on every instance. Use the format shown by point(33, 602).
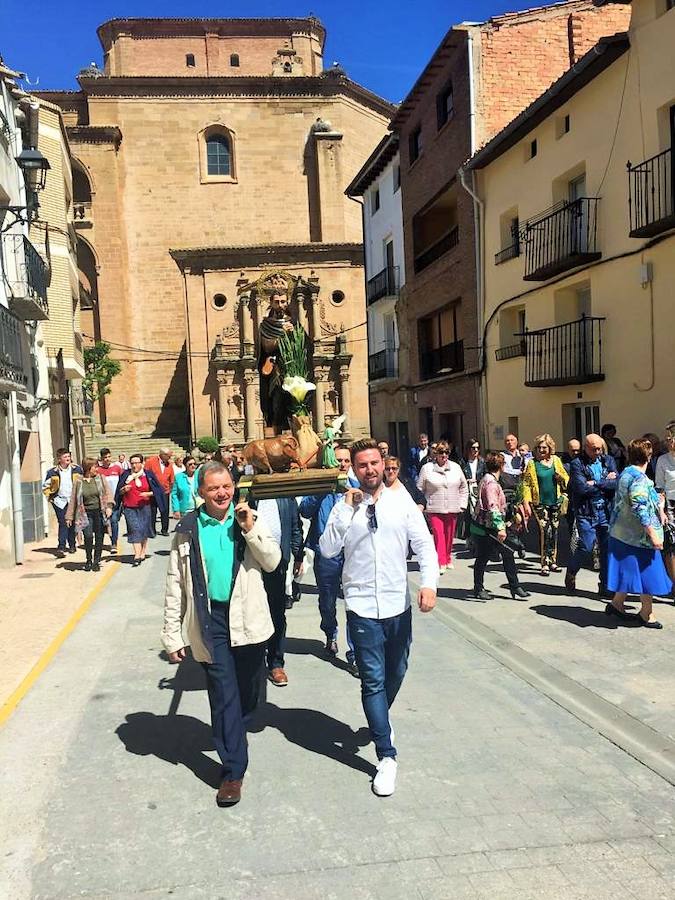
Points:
point(108, 771)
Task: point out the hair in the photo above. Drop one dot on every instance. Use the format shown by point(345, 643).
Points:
point(137, 456)
point(88, 464)
point(61, 451)
point(189, 459)
point(469, 444)
point(606, 428)
point(443, 446)
point(654, 440)
point(545, 438)
point(212, 466)
point(392, 459)
point(493, 461)
point(360, 446)
point(105, 452)
point(639, 451)
point(670, 431)
point(423, 434)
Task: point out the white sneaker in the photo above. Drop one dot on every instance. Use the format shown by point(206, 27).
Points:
point(450, 566)
point(442, 569)
point(384, 782)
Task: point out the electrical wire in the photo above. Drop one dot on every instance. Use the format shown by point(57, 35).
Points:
point(618, 121)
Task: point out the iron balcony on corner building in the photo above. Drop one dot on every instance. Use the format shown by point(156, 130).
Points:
point(383, 364)
point(564, 354)
point(12, 374)
point(561, 238)
point(651, 195)
point(385, 284)
point(27, 277)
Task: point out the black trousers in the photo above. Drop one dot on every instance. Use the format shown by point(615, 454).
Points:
point(233, 683)
point(275, 585)
point(163, 513)
point(485, 546)
point(93, 534)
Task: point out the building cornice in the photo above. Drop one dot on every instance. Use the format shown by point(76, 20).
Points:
point(234, 86)
point(95, 134)
point(148, 28)
point(376, 163)
point(255, 257)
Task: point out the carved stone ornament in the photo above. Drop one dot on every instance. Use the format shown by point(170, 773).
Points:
point(237, 425)
point(271, 281)
point(327, 327)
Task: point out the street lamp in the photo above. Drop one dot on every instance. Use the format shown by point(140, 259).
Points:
point(34, 167)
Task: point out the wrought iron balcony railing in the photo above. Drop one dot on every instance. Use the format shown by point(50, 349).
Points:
point(564, 354)
point(27, 276)
point(561, 239)
point(651, 195)
point(511, 351)
point(383, 364)
point(447, 242)
point(442, 360)
point(384, 284)
point(12, 374)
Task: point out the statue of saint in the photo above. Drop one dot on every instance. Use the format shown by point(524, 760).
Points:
point(274, 401)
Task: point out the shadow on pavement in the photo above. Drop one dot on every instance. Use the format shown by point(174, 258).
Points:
point(316, 732)
point(311, 647)
point(581, 617)
point(179, 740)
point(558, 590)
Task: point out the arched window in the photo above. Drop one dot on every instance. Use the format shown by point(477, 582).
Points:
point(218, 155)
point(234, 60)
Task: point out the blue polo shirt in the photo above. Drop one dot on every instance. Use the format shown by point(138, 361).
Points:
point(216, 540)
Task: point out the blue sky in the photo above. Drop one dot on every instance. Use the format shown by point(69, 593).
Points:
point(382, 45)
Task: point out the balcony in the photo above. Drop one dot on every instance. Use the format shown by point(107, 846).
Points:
point(651, 195)
point(384, 284)
point(442, 361)
point(561, 239)
point(383, 364)
point(431, 254)
point(510, 351)
point(12, 375)
point(564, 354)
point(508, 253)
point(27, 276)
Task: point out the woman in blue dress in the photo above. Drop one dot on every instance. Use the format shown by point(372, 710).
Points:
point(635, 565)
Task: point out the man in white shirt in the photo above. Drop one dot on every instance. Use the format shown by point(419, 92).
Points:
point(372, 527)
point(57, 488)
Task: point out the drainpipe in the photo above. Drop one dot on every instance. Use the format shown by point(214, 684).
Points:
point(15, 479)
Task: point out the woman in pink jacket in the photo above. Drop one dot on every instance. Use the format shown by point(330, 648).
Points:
point(443, 484)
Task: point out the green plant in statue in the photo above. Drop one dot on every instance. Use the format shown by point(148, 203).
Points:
point(293, 354)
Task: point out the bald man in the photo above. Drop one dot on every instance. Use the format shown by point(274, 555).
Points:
point(592, 485)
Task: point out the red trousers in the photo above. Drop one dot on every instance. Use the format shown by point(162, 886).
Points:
point(443, 527)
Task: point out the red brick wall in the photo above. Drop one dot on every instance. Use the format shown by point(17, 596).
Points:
point(519, 56)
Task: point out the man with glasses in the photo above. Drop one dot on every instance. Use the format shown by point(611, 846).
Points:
point(372, 527)
point(592, 485)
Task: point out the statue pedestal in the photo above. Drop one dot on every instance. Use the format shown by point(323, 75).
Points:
point(296, 483)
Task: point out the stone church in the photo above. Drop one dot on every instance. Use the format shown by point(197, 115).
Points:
point(208, 155)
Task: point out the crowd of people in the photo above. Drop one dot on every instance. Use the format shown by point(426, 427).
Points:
point(234, 566)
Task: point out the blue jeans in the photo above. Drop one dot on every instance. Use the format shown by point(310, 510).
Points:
point(115, 526)
point(589, 532)
point(381, 647)
point(328, 573)
point(66, 534)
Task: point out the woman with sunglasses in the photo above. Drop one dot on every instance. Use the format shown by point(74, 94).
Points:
point(395, 481)
point(184, 490)
point(473, 466)
point(447, 494)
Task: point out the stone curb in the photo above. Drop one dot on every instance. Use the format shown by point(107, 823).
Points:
point(647, 746)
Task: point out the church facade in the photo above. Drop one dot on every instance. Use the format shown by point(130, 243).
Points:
point(209, 155)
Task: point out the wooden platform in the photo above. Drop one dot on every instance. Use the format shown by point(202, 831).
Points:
point(296, 483)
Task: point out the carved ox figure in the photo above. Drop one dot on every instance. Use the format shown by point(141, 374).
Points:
point(273, 454)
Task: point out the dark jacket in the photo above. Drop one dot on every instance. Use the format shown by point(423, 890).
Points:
point(160, 498)
point(480, 468)
point(411, 487)
point(586, 497)
point(414, 462)
point(292, 543)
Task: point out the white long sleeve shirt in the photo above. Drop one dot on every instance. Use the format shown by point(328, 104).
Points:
point(375, 571)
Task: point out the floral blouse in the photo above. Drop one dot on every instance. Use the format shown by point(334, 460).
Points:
point(636, 507)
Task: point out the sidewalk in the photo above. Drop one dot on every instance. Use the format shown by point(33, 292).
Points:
point(38, 600)
point(632, 668)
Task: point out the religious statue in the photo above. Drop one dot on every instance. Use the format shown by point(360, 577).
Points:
point(330, 435)
point(274, 401)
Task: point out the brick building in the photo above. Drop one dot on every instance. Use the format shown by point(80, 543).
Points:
point(209, 152)
point(480, 77)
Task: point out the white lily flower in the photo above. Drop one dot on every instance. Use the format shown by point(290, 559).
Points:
point(297, 387)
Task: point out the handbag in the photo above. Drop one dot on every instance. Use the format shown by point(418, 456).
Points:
point(669, 538)
point(564, 504)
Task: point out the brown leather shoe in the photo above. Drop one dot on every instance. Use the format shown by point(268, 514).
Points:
point(229, 793)
point(570, 582)
point(278, 677)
